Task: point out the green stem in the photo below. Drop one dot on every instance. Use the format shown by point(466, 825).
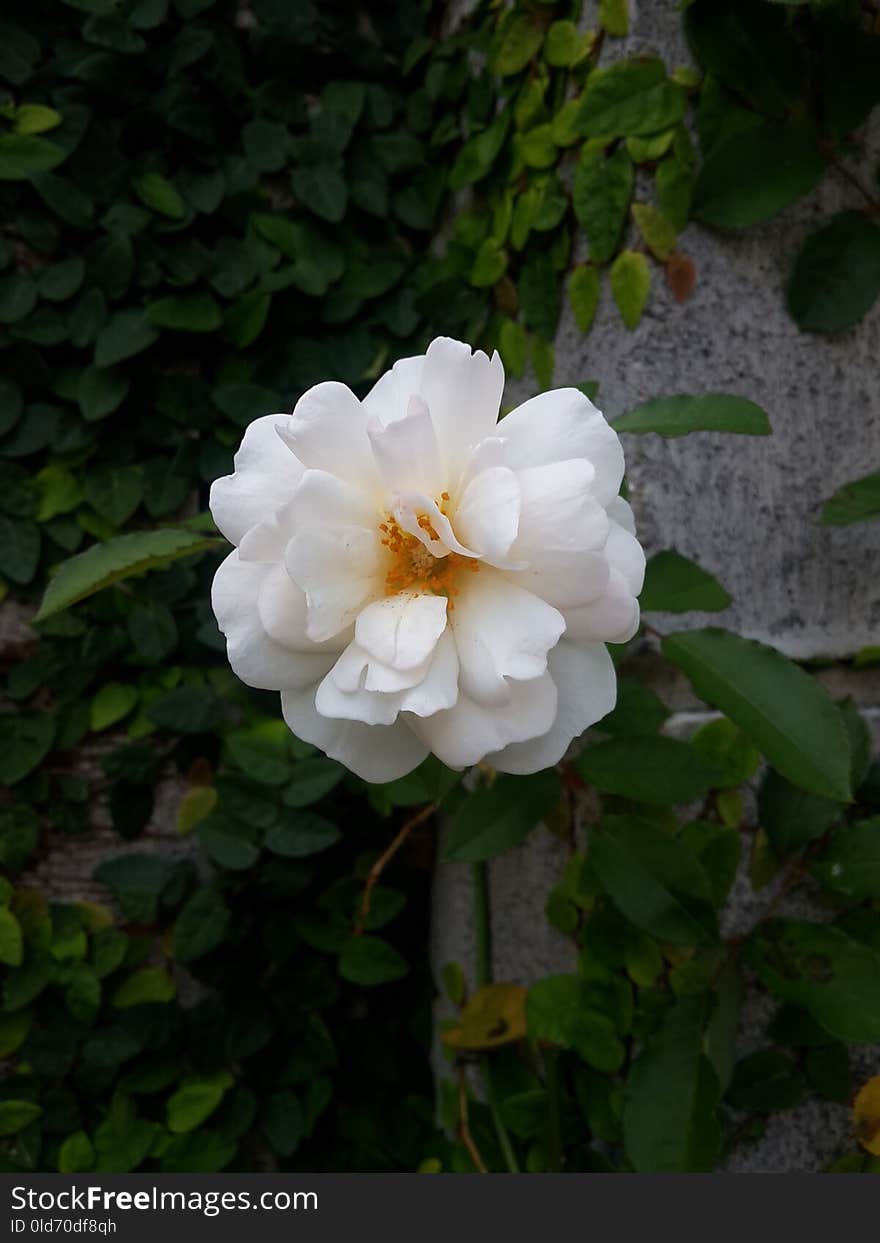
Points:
point(551, 1072)
point(483, 931)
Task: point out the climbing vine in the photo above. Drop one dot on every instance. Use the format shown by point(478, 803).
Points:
point(209, 206)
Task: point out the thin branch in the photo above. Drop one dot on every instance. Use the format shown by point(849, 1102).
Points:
point(464, 1130)
point(384, 859)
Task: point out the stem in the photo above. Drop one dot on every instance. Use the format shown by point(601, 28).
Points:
point(384, 859)
point(551, 1073)
point(483, 930)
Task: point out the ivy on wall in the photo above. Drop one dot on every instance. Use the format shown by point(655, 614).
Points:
point(210, 206)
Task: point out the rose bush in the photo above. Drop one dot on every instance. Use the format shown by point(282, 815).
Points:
point(415, 577)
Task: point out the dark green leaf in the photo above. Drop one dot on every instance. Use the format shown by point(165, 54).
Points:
point(765, 1081)
point(629, 98)
point(711, 412)
point(500, 816)
point(125, 334)
point(858, 501)
point(673, 584)
point(201, 925)
point(648, 769)
point(792, 817)
point(836, 277)
point(369, 961)
point(191, 312)
point(302, 835)
point(851, 864)
point(600, 197)
point(783, 165)
point(789, 717)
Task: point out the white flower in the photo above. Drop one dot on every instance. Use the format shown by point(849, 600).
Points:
point(413, 578)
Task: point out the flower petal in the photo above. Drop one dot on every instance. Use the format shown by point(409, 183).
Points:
point(339, 570)
point(566, 579)
point(463, 391)
point(283, 613)
point(487, 516)
point(328, 431)
point(402, 631)
point(463, 735)
point(438, 690)
point(255, 657)
point(559, 511)
point(326, 500)
point(587, 684)
point(564, 424)
point(265, 476)
point(373, 752)
point(406, 453)
point(409, 507)
point(388, 399)
point(612, 618)
point(625, 554)
point(501, 632)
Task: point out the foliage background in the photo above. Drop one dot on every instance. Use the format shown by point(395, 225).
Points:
point(207, 208)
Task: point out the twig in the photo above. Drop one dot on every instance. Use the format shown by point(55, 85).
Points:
point(384, 859)
point(464, 1130)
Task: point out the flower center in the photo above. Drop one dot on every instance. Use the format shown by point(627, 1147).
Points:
point(412, 565)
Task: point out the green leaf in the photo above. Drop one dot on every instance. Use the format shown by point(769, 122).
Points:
point(657, 230)
point(851, 863)
point(246, 318)
point(500, 816)
point(236, 854)
point(25, 741)
point(538, 289)
point(834, 977)
point(614, 17)
point(126, 333)
point(725, 746)
point(158, 193)
point(476, 157)
point(100, 392)
point(792, 817)
point(710, 412)
point(562, 1010)
point(186, 312)
point(262, 751)
point(321, 189)
point(564, 45)
point(16, 1115)
point(369, 961)
point(201, 925)
point(783, 165)
point(858, 501)
point(118, 558)
point(630, 98)
point(136, 882)
point(35, 119)
point(600, 197)
point(114, 492)
point(302, 835)
point(195, 1100)
point(517, 40)
point(312, 779)
point(148, 985)
point(583, 294)
point(112, 702)
point(674, 584)
point(187, 710)
point(513, 347)
point(654, 880)
point(836, 276)
point(282, 1122)
point(25, 155)
point(649, 769)
point(789, 717)
point(630, 285)
point(671, 1095)
point(11, 941)
point(637, 711)
point(490, 264)
point(19, 549)
point(76, 1154)
point(765, 1081)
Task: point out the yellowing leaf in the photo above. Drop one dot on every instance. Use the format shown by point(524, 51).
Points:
point(658, 232)
point(195, 805)
point(35, 119)
point(866, 1113)
point(495, 1015)
point(630, 285)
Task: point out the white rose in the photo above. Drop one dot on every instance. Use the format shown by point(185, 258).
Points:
point(413, 578)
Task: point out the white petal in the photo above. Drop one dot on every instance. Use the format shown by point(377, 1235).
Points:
point(389, 397)
point(283, 613)
point(625, 554)
point(564, 424)
point(324, 499)
point(266, 473)
point(255, 657)
point(463, 392)
point(402, 631)
point(487, 516)
point(438, 690)
point(339, 570)
point(373, 752)
point(406, 452)
point(328, 431)
point(465, 734)
point(559, 511)
point(409, 507)
point(332, 699)
point(501, 631)
point(587, 684)
point(565, 579)
point(620, 511)
point(612, 618)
